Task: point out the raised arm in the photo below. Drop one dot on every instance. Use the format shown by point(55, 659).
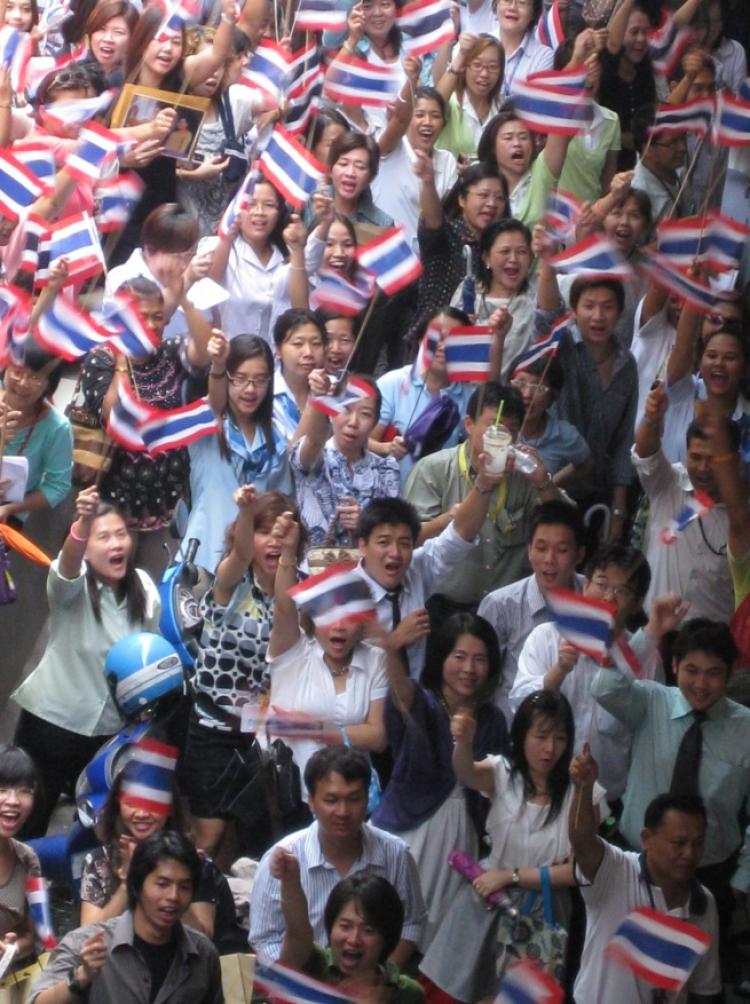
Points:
point(403, 108)
point(682, 356)
point(429, 201)
point(298, 942)
point(479, 776)
point(314, 428)
point(733, 489)
point(648, 433)
point(285, 630)
point(218, 351)
point(233, 567)
point(618, 22)
point(294, 238)
point(74, 546)
point(548, 292)
point(446, 83)
point(199, 67)
point(587, 847)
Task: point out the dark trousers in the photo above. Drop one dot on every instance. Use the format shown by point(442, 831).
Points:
point(60, 756)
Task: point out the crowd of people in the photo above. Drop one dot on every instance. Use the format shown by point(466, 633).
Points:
point(595, 459)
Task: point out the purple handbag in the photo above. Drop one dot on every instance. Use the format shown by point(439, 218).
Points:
point(431, 430)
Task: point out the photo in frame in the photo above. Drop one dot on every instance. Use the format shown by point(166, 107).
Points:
point(137, 105)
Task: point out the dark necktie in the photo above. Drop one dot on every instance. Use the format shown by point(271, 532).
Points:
point(395, 600)
point(688, 761)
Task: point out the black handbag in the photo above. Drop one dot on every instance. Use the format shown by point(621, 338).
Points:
point(266, 783)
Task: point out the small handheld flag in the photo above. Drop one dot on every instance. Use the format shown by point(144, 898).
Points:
point(319, 15)
point(467, 353)
point(552, 109)
point(170, 429)
point(732, 123)
point(391, 260)
point(691, 116)
point(96, 146)
point(290, 167)
point(596, 255)
point(64, 329)
point(527, 983)
point(585, 622)
point(356, 390)
point(352, 81)
point(268, 69)
point(660, 949)
point(549, 29)
point(115, 200)
point(426, 352)
point(148, 776)
point(335, 596)
point(287, 986)
point(15, 52)
point(129, 333)
point(126, 416)
point(74, 238)
point(700, 297)
point(336, 293)
point(425, 25)
point(560, 217)
point(19, 186)
point(548, 345)
point(37, 896)
point(68, 113)
point(698, 505)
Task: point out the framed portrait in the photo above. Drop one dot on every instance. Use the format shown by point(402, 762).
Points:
point(137, 105)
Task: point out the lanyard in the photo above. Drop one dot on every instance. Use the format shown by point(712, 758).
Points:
point(502, 490)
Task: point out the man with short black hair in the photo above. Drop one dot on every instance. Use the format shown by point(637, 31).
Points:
point(662, 877)
point(338, 844)
point(145, 953)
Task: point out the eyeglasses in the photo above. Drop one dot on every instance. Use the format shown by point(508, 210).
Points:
point(21, 375)
point(485, 196)
point(257, 383)
point(616, 592)
point(524, 385)
point(521, 4)
point(476, 67)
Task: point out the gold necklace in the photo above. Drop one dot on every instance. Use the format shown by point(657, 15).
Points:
point(339, 672)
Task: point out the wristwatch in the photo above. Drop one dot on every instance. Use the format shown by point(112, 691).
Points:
point(75, 987)
point(515, 878)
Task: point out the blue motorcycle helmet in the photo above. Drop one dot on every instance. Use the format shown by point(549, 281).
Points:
point(141, 670)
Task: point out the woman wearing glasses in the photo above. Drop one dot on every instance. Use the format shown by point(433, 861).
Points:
point(247, 450)
point(471, 86)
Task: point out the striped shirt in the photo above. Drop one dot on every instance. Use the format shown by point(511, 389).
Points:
point(382, 854)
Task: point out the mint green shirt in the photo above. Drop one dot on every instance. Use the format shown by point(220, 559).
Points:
point(529, 198)
point(659, 716)
point(49, 451)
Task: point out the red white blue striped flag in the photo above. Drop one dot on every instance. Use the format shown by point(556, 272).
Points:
point(660, 949)
point(287, 986)
point(390, 259)
point(239, 202)
point(35, 230)
point(356, 390)
point(570, 79)
point(148, 776)
point(696, 506)
point(425, 25)
point(18, 185)
point(335, 596)
point(67, 113)
point(129, 333)
point(338, 294)
point(355, 82)
point(527, 983)
point(467, 353)
point(714, 239)
point(306, 77)
point(682, 241)
point(549, 29)
point(732, 123)
point(15, 52)
point(15, 308)
point(38, 158)
point(290, 168)
point(426, 351)
point(96, 146)
point(546, 346)
point(115, 200)
point(268, 70)
point(585, 622)
point(726, 241)
point(75, 238)
point(691, 116)
point(37, 896)
point(667, 44)
point(170, 429)
point(126, 416)
point(561, 214)
point(596, 255)
point(693, 291)
point(552, 108)
point(177, 16)
point(320, 15)
point(64, 329)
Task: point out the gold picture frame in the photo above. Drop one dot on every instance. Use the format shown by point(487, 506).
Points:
point(137, 104)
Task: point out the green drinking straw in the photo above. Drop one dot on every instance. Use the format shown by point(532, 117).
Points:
point(499, 412)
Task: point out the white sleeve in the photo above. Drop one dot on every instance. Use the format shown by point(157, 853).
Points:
point(538, 656)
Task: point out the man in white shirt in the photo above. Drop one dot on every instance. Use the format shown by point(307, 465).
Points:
point(662, 878)
point(338, 844)
point(695, 564)
point(555, 548)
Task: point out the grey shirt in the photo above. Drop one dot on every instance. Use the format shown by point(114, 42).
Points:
point(193, 978)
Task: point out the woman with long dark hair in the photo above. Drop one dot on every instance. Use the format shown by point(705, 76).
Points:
point(247, 450)
point(423, 802)
point(96, 597)
point(530, 797)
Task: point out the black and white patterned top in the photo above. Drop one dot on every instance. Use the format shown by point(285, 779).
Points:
point(231, 668)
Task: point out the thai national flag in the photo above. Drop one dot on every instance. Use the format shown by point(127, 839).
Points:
point(695, 507)
point(560, 216)
point(268, 70)
point(682, 241)
point(595, 255)
point(425, 26)
point(237, 204)
point(660, 949)
point(352, 81)
point(391, 260)
point(68, 113)
point(128, 413)
point(546, 346)
point(552, 109)
point(37, 896)
point(571, 79)
point(18, 185)
point(15, 308)
point(178, 15)
point(300, 112)
point(290, 987)
point(426, 352)
point(290, 167)
point(34, 231)
point(64, 329)
point(527, 983)
point(320, 15)
point(176, 427)
point(334, 596)
point(128, 332)
point(585, 622)
point(116, 198)
point(337, 294)
point(356, 390)
point(726, 241)
point(38, 158)
point(467, 353)
point(625, 659)
point(305, 72)
point(691, 116)
point(661, 271)
point(96, 146)
point(732, 124)
point(667, 44)
point(549, 29)
point(15, 52)
point(148, 776)
point(76, 239)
